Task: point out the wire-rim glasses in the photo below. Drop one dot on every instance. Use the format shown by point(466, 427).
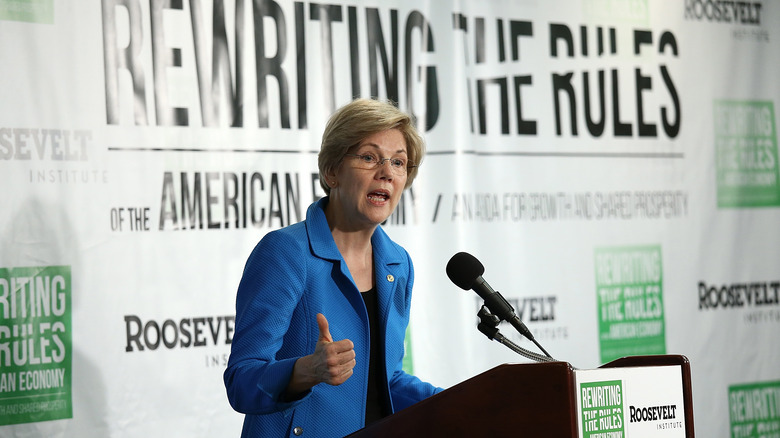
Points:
point(368, 161)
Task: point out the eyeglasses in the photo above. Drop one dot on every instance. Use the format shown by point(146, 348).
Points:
point(399, 166)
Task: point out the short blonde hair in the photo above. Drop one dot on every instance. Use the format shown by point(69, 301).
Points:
point(356, 121)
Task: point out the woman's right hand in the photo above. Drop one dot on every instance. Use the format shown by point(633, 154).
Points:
point(331, 362)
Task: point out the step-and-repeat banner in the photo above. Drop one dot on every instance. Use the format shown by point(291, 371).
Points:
point(612, 163)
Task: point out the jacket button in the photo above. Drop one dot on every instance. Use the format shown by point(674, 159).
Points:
point(297, 431)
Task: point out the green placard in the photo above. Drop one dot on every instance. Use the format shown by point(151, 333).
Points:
point(746, 158)
point(629, 294)
point(754, 410)
point(602, 409)
point(35, 344)
point(31, 11)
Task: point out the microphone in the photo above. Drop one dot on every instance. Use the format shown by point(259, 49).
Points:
point(466, 272)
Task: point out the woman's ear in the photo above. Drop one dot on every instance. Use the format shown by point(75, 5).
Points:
point(330, 178)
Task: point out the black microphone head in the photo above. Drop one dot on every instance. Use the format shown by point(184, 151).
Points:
point(464, 269)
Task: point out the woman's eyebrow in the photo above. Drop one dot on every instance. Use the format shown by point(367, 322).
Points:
point(376, 146)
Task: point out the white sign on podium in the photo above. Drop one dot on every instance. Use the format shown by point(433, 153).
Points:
point(630, 402)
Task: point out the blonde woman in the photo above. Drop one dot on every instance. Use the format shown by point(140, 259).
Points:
point(323, 305)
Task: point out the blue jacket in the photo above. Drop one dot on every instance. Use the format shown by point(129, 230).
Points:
point(291, 275)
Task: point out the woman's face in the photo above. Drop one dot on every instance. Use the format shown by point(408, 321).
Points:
point(368, 196)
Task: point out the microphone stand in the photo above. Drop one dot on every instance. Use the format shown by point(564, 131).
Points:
point(488, 325)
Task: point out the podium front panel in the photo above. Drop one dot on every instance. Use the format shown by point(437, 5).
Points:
point(633, 402)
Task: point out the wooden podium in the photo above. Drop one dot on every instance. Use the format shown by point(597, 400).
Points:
point(533, 400)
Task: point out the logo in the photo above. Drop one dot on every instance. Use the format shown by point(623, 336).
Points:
point(184, 333)
point(35, 344)
point(538, 312)
point(203, 332)
point(758, 301)
point(664, 416)
point(53, 156)
point(754, 409)
point(602, 409)
point(724, 11)
point(629, 293)
point(739, 295)
point(747, 169)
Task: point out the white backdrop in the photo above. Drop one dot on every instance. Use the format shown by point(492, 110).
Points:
point(613, 164)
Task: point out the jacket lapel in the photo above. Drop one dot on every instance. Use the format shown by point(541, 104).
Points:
point(387, 264)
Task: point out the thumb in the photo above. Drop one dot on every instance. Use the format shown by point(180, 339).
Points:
point(322, 322)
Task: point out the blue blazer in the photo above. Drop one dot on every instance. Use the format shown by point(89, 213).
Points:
point(293, 274)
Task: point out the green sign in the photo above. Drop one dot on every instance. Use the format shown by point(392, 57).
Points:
point(629, 293)
point(635, 12)
point(746, 154)
point(602, 409)
point(754, 410)
point(408, 365)
point(31, 11)
point(35, 344)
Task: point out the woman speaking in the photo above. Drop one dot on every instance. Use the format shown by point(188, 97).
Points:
point(323, 305)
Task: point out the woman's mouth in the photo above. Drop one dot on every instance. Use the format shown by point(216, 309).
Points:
point(378, 196)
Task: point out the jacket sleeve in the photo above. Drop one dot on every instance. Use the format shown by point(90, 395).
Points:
point(270, 289)
point(407, 390)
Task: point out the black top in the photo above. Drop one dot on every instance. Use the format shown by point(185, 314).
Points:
point(377, 405)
